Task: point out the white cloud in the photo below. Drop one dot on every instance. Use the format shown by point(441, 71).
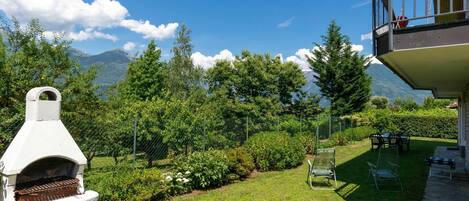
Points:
point(286, 23)
point(357, 48)
point(361, 4)
point(367, 36)
point(69, 16)
point(151, 31)
point(301, 58)
point(129, 46)
point(60, 15)
point(206, 62)
point(89, 34)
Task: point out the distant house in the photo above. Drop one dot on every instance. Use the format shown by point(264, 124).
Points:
point(426, 42)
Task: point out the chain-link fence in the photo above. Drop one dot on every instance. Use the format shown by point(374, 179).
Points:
point(133, 143)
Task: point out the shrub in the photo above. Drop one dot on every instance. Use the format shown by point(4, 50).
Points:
point(240, 162)
point(380, 102)
point(426, 125)
point(382, 122)
point(207, 169)
point(307, 140)
point(129, 184)
point(275, 151)
point(351, 134)
point(177, 183)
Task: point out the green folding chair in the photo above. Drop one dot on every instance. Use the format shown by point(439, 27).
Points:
point(323, 166)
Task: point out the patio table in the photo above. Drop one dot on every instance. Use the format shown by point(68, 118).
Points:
point(399, 139)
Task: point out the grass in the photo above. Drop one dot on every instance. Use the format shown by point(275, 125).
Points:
point(352, 173)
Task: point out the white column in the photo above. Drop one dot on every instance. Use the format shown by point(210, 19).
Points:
point(465, 122)
point(461, 123)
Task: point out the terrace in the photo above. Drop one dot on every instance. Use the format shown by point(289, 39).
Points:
point(425, 42)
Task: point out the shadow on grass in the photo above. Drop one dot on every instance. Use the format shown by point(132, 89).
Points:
point(413, 173)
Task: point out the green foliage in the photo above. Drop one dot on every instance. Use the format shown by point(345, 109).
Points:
point(426, 125)
point(430, 103)
point(184, 77)
point(207, 169)
point(341, 73)
point(307, 140)
point(177, 183)
point(30, 60)
point(352, 134)
point(275, 151)
point(306, 106)
point(380, 102)
point(251, 91)
point(240, 162)
point(190, 126)
point(129, 184)
point(382, 122)
point(146, 76)
point(407, 104)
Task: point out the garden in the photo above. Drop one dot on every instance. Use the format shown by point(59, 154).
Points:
point(240, 130)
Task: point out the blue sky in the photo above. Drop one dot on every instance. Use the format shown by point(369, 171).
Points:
point(260, 26)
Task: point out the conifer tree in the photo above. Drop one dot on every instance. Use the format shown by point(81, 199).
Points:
point(341, 72)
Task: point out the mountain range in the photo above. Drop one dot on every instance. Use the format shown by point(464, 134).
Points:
point(112, 67)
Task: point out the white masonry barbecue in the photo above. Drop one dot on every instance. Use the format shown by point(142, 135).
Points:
point(43, 162)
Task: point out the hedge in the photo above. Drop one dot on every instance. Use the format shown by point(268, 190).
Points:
point(426, 125)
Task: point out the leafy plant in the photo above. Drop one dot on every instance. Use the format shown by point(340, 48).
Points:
point(307, 140)
point(129, 184)
point(177, 183)
point(240, 162)
point(207, 169)
point(275, 151)
point(351, 134)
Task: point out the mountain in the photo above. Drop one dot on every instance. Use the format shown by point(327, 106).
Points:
point(112, 66)
point(384, 83)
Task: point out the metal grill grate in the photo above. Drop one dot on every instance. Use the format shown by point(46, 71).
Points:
point(47, 189)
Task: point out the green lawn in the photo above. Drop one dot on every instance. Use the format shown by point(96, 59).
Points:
point(352, 175)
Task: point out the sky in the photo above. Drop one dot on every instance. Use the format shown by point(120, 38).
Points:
point(220, 29)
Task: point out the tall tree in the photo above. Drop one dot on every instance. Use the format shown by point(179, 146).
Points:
point(184, 76)
point(341, 72)
point(145, 78)
point(141, 91)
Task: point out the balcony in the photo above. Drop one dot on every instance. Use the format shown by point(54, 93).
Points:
point(426, 44)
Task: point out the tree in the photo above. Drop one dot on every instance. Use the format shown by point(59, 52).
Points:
point(82, 109)
point(141, 92)
point(251, 91)
point(183, 75)
point(145, 78)
point(340, 73)
point(380, 102)
point(431, 103)
point(29, 60)
point(407, 104)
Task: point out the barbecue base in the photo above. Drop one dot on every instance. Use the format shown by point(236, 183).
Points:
point(87, 196)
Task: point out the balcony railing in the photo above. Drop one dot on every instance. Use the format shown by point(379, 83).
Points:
point(405, 14)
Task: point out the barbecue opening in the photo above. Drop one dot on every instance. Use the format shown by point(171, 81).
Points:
point(47, 179)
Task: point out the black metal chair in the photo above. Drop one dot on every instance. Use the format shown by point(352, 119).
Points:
point(376, 140)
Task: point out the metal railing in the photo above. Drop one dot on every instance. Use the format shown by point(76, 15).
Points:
point(421, 12)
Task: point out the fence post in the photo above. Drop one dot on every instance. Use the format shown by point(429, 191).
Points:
point(135, 141)
point(316, 144)
point(247, 128)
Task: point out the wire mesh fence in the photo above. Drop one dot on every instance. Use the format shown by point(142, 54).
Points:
point(134, 143)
